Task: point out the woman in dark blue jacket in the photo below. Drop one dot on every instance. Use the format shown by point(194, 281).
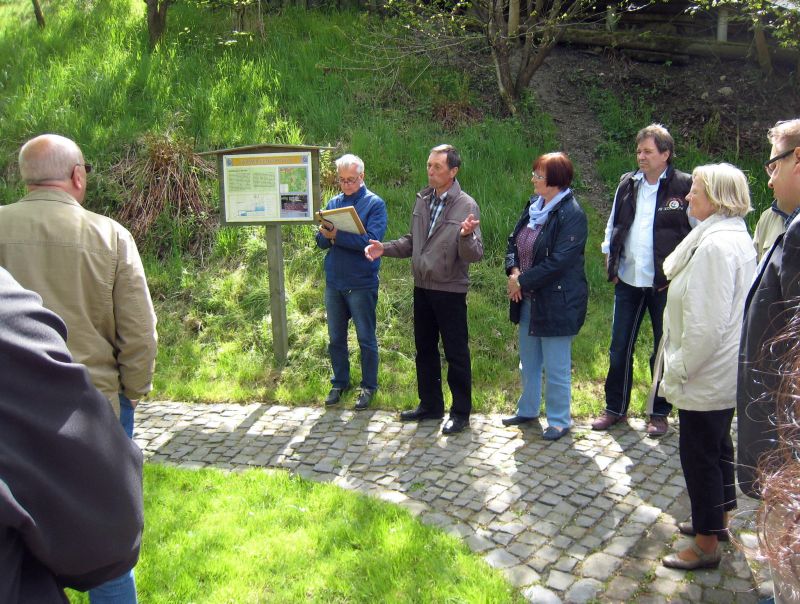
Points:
point(548, 292)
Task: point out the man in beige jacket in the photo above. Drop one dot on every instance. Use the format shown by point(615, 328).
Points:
point(87, 270)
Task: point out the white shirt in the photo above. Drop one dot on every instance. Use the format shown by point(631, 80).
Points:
point(636, 264)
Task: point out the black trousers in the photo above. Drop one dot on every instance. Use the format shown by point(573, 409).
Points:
point(442, 313)
point(630, 304)
point(708, 467)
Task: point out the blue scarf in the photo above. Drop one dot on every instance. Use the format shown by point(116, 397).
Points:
point(539, 214)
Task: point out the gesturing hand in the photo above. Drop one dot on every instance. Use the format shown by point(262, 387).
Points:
point(374, 250)
point(469, 225)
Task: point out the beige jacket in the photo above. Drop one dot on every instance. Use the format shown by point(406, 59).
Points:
point(87, 269)
point(710, 274)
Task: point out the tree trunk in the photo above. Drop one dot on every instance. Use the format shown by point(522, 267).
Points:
point(498, 41)
point(762, 50)
point(37, 10)
point(513, 19)
point(156, 19)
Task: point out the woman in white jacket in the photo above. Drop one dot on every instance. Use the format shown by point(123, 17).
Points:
point(710, 273)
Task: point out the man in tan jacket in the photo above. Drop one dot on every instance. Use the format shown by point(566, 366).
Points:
point(87, 270)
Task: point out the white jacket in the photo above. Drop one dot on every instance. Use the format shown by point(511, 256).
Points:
point(710, 274)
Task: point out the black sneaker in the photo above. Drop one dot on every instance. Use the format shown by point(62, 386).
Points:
point(334, 396)
point(364, 399)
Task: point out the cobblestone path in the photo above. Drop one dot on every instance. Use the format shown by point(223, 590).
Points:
point(584, 519)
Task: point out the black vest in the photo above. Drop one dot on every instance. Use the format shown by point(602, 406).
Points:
point(670, 223)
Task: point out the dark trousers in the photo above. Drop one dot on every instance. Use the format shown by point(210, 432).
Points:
point(707, 461)
point(630, 304)
point(437, 312)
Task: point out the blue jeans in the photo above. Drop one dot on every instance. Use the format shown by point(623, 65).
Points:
point(121, 590)
point(554, 355)
point(358, 305)
point(630, 304)
point(126, 414)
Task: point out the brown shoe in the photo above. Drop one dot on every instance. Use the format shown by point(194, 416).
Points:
point(657, 426)
point(605, 421)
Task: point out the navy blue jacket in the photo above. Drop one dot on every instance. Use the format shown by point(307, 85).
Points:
point(346, 267)
point(71, 510)
point(556, 279)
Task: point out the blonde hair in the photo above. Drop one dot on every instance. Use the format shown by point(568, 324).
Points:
point(726, 188)
point(786, 133)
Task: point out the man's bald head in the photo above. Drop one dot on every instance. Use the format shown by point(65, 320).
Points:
point(49, 160)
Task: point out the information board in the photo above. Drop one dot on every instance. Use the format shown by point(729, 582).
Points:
point(261, 188)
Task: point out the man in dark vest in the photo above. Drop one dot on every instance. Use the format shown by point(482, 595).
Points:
point(648, 220)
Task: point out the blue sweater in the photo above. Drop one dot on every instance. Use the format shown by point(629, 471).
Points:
point(346, 267)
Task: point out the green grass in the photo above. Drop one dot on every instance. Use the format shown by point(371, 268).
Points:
point(89, 75)
point(268, 536)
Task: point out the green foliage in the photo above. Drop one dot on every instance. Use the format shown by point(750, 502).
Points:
point(257, 536)
point(90, 76)
point(781, 19)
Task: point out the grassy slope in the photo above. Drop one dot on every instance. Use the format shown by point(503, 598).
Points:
point(89, 75)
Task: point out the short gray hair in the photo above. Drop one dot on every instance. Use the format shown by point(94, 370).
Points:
point(347, 160)
point(726, 188)
point(786, 133)
point(48, 157)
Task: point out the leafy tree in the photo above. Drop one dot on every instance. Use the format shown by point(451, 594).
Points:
point(780, 18)
point(519, 33)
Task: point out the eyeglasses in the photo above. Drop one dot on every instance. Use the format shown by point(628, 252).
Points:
point(349, 181)
point(770, 166)
point(536, 176)
point(87, 167)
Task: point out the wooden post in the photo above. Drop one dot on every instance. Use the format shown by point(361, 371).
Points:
point(722, 24)
point(277, 293)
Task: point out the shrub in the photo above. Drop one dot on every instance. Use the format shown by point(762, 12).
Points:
point(167, 192)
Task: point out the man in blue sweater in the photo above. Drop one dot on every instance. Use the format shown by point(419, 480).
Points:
point(351, 281)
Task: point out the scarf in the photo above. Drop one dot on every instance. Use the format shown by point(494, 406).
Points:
point(538, 212)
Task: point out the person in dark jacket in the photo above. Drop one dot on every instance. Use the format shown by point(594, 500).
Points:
point(548, 291)
point(71, 512)
point(351, 281)
point(771, 304)
point(648, 220)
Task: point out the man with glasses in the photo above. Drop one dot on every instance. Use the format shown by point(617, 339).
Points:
point(87, 270)
point(772, 302)
point(443, 241)
point(648, 220)
point(351, 282)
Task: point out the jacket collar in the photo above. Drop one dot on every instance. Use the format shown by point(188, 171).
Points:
point(679, 258)
point(355, 197)
point(453, 192)
point(51, 195)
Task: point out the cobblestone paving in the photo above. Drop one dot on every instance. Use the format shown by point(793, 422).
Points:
point(583, 519)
